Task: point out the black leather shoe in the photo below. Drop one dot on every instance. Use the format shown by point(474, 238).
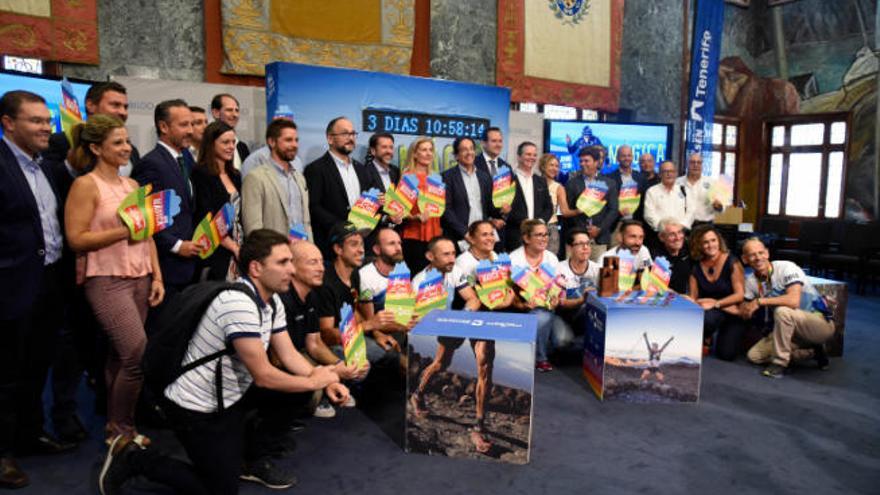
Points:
point(11, 476)
point(45, 445)
point(71, 429)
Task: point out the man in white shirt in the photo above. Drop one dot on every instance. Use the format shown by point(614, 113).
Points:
point(802, 321)
point(532, 197)
point(667, 200)
point(490, 160)
point(632, 237)
point(695, 187)
point(374, 276)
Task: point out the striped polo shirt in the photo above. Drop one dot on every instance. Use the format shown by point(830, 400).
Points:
point(232, 315)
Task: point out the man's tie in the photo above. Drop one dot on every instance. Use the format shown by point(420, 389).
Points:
point(182, 164)
point(492, 169)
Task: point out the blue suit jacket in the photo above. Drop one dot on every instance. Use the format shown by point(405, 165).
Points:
point(455, 217)
point(159, 168)
point(22, 249)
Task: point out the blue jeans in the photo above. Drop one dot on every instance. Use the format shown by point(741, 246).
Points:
point(553, 333)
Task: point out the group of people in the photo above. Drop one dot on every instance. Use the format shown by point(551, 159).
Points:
point(62, 240)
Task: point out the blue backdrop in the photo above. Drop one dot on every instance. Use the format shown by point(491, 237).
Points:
point(409, 106)
point(50, 89)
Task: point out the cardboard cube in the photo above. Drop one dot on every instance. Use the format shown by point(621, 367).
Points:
point(835, 294)
point(445, 388)
point(643, 350)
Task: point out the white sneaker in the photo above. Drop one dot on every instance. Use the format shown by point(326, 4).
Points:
point(324, 410)
point(349, 402)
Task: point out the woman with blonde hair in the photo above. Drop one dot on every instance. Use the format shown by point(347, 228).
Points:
point(418, 229)
point(548, 164)
point(122, 277)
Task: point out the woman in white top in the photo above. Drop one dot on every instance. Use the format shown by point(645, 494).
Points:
point(532, 254)
point(581, 275)
point(549, 167)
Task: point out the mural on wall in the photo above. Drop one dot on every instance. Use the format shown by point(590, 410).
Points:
point(831, 67)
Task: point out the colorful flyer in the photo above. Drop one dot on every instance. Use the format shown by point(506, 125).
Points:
point(354, 345)
point(399, 296)
point(503, 261)
point(400, 198)
point(628, 198)
point(431, 293)
point(656, 280)
point(537, 285)
point(721, 190)
point(69, 109)
point(503, 188)
point(145, 214)
point(298, 233)
point(592, 199)
point(433, 197)
point(626, 277)
point(213, 229)
point(364, 215)
point(492, 283)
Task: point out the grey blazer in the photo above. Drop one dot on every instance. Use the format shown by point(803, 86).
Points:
point(264, 201)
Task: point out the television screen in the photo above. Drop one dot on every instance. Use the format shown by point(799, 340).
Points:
point(47, 87)
point(564, 138)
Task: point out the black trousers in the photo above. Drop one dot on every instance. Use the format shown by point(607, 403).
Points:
point(25, 356)
point(218, 444)
point(76, 350)
point(414, 255)
point(729, 331)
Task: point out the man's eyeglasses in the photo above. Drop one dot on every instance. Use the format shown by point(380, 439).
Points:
point(345, 134)
point(581, 244)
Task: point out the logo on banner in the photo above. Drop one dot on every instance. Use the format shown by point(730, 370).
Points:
point(570, 11)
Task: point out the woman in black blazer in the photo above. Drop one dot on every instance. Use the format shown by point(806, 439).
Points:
point(215, 182)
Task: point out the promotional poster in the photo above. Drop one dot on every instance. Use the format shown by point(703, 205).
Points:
point(643, 350)
point(470, 385)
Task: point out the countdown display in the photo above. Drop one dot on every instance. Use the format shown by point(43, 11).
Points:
point(423, 124)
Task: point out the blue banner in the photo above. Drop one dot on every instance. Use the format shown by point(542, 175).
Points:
point(404, 106)
point(705, 50)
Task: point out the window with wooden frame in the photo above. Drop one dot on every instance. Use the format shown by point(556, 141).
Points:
point(807, 165)
point(725, 148)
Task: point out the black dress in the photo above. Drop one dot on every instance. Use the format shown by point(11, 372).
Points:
point(730, 328)
point(209, 196)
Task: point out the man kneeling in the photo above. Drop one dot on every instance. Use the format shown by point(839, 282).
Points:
point(801, 320)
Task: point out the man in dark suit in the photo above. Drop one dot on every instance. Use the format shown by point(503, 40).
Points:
point(165, 168)
point(600, 225)
point(379, 168)
point(30, 252)
point(490, 160)
point(335, 181)
point(468, 193)
point(103, 98)
point(532, 197)
point(225, 108)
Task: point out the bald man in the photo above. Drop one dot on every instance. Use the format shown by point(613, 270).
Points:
point(302, 316)
point(802, 321)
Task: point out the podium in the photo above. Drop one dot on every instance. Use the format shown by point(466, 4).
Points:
point(643, 351)
point(459, 363)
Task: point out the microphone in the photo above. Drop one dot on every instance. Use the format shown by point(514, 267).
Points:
point(684, 193)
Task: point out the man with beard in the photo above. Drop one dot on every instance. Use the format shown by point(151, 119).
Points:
point(274, 194)
point(165, 168)
point(335, 181)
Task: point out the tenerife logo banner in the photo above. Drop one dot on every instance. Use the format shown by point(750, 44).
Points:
point(705, 48)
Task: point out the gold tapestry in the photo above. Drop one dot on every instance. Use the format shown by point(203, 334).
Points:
point(372, 35)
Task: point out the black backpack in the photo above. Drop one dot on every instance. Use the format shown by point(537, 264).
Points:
point(173, 328)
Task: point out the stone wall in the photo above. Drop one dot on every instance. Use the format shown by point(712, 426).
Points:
point(154, 39)
point(463, 34)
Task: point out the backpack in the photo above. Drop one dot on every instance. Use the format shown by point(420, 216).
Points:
point(172, 330)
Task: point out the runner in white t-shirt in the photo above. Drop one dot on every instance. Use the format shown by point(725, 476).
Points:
point(580, 274)
point(802, 321)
